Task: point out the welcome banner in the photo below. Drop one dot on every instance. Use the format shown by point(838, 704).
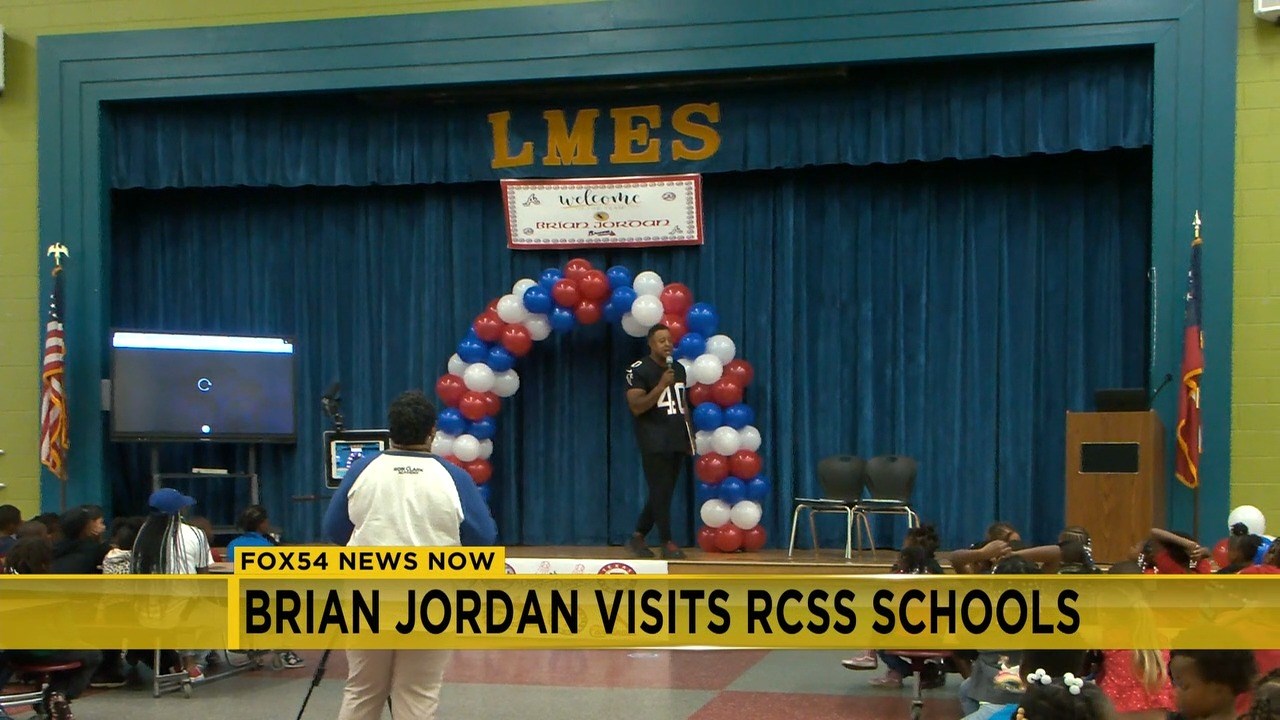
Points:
point(603, 212)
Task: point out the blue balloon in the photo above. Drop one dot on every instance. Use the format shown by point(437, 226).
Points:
point(537, 299)
point(484, 492)
point(614, 312)
point(739, 416)
point(618, 276)
point(732, 490)
point(691, 346)
point(561, 320)
point(707, 416)
point(499, 359)
point(1262, 550)
point(549, 278)
point(451, 422)
point(703, 319)
point(482, 429)
point(623, 297)
point(473, 350)
point(705, 492)
point(758, 489)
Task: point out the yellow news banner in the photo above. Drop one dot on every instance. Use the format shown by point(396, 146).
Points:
point(480, 607)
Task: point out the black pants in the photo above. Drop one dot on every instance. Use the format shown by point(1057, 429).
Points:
point(660, 472)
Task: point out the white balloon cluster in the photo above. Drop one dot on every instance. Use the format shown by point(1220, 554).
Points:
point(707, 368)
point(726, 441)
point(646, 309)
point(744, 514)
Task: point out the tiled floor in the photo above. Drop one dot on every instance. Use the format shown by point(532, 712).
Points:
point(563, 685)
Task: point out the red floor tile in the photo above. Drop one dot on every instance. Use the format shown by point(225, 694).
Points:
point(688, 670)
point(734, 705)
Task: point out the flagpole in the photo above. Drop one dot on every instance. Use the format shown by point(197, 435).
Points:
point(1195, 491)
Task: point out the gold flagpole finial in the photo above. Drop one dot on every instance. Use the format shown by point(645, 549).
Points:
point(58, 251)
point(1196, 224)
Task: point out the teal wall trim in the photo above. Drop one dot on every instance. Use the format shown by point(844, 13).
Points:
point(1193, 41)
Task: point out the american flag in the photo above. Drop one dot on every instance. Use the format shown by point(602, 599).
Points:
point(53, 406)
point(1187, 461)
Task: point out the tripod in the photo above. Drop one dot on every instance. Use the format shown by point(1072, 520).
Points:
point(315, 683)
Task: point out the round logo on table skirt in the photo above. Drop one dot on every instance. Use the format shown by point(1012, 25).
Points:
point(616, 568)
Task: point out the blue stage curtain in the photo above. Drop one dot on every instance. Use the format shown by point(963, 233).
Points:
point(949, 311)
point(878, 114)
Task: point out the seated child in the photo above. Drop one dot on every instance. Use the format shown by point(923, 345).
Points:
point(256, 527)
point(1207, 682)
point(1241, 549)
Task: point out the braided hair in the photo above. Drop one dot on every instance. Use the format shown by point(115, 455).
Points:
point(1055, 701)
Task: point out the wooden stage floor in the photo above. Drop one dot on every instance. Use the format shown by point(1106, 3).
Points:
point(765, 562)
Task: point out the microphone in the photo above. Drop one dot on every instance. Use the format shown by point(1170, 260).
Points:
point(671, 362)
point(1168, 378)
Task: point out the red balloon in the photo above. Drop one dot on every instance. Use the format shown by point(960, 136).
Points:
point(676, 298)
point(675, 323)
point(753, 539)
point(588, 312)
point(593, 285)
point(740, 371)
point(574, 270)
point(488, 326)
point(479, 470)
point(492, 404)
point(450, 388)
point(452, 459)
point(565, 293)
point(712, 468)
point(728, 538)
point(516, 339)
point(707, 538)
point(1220, 554)
point(472, 406)
point(726, 392)
point(744, 464)
point(698, 394)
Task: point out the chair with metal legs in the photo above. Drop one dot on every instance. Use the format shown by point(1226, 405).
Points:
point(842, 479)
point(890, 480)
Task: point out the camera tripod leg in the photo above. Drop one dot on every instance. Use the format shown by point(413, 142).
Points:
point(315, 682)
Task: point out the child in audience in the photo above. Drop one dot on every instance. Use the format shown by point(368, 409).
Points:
point(1136, 681)
point(10, 519)
point(257, 526)
point(916, 557)
point(1266, 699)
point(1207, 682)
point(32, 556)
point(34, 529)
point(81, 549)
point(124, 532)
point(1173, 553)
point(1046, 679)
point(1241, 549)
point(980, 696)
point(50, 521)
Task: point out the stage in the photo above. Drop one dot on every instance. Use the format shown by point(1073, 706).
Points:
point(765, 562)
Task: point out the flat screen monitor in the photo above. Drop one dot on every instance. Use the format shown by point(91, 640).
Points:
point(342, 450)
point(189, 387)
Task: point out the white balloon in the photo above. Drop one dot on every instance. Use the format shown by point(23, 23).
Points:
point(702, 442)
point(647, 310)
point(478, 377)
point(750, 438)
point(688, 370)
point(538, 325)
point(457, 365)
point(715, 513)
point(1252, 518)
point(632, 327)
point(648, 283)
point(521, 285)
point(707, 368)
point(466, 448)
point(486, 449)
point(722, 347)
point(442, 444)
point(745, 514)
point(506, 383)
point(511, 310)
point(725, 440)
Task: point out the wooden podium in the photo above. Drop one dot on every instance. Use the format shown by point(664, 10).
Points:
point(1115, 478)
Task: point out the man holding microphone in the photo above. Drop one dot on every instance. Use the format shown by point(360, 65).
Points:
point(656, 396)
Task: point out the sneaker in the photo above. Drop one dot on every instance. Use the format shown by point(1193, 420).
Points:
point(58, 707)
point(891, 680)
point(638, 548)
point(195, 674)
point(290, 660)
point(865, 661)
point(671, 552)
point(111, 677)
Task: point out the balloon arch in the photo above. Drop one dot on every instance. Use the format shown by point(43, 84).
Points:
point(482, 372)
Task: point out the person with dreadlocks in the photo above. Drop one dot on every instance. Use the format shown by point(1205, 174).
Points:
point(168, 546)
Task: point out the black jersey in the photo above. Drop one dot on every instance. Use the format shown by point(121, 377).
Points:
point(665, 426)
